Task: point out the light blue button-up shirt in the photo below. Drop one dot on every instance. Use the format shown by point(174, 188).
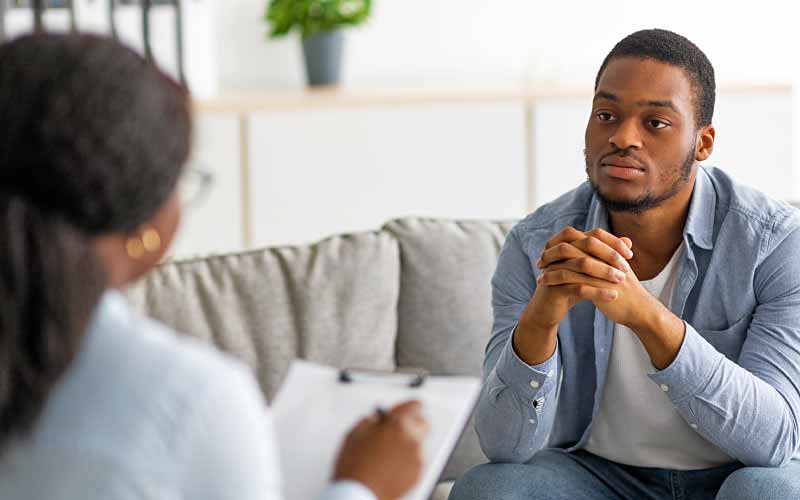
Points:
point(736, 375)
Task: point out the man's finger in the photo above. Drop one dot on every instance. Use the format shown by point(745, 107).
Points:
point(561, 252)
point(591, 267)
point(596, 248)
point(622, 246)
point(588, 292)
point(566, 235)
point(568, 277)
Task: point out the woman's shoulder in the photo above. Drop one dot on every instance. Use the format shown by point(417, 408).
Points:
point(153, 406)
point(136, 376)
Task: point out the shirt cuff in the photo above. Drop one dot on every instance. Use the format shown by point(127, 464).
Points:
point(348, 490)
point(527, 381)
point(696, 362)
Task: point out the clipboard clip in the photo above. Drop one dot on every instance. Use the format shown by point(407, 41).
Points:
point(414, 377)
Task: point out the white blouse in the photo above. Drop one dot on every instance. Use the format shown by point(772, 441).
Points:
point(143, 413)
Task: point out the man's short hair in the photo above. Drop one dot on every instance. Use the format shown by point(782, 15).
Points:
point(672, 48)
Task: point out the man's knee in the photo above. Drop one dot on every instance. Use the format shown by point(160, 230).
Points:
point(759, 483)
point(495, 481)
point(551, 475)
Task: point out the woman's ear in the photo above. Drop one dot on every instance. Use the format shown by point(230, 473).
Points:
point(705, 143)
point(127, 257)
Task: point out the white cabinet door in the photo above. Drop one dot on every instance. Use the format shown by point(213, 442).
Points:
point(557, 147)
point(754, 142)
point(215, 223)
point(322, 171)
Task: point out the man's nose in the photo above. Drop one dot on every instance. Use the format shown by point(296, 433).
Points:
point(626, 136)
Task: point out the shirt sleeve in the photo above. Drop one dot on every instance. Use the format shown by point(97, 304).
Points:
point(517, 403)
point(227, 447)
point(748, 409)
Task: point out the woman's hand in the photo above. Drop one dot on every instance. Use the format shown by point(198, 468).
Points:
point(384, 453)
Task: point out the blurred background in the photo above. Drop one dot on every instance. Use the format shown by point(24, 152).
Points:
point(445, 108)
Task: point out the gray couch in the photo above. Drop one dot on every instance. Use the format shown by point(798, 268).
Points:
point(414, 294)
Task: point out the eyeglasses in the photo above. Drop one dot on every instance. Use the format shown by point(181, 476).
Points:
point(194, 186)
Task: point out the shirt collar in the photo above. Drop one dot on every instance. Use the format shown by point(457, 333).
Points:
point(699, 223)
point(112, 311)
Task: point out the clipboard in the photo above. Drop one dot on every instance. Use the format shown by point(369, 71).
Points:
point(317, 405)
point(411, 378)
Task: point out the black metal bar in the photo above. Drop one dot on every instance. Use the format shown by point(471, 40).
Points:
point(73, 21)
point(38, 15)
point(178, 40)
point(148, 49)
point(2, 21)
point(112, 24)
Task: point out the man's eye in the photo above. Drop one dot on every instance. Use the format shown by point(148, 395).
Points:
point(604, 116)
point(657, 124)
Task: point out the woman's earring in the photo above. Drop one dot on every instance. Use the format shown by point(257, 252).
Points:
point(150, 241)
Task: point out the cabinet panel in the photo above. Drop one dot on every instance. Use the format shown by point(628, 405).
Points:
point(317, 172)
point(754, 142)
point(215, 223)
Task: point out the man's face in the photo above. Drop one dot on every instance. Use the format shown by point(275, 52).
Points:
point(641, 138)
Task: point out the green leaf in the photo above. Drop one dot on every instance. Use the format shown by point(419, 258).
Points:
point(314, 16)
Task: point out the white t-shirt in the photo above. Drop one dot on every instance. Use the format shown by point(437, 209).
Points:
point(636, 423)
point(143, 414)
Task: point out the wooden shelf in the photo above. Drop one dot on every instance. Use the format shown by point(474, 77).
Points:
point(248, 102)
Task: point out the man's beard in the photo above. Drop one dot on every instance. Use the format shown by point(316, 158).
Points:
point(649, 200)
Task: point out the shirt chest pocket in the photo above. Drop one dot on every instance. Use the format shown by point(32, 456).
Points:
point(730, 340)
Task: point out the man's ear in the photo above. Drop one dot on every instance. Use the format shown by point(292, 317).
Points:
point(705, 143)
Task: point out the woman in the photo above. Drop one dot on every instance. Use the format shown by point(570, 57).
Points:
point(95, 401)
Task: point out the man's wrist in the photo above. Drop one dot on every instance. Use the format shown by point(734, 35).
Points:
point(534, 344)
point(661, 332)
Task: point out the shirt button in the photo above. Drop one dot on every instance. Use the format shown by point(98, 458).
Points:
point(550, 373)
point(693, 426)
point(532, 421)
point(665, 387)
point(534, 384)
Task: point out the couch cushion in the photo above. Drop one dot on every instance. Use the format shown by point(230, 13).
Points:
point(445, 313)
point(333, 302)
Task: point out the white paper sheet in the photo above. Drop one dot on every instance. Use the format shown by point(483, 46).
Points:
point(314, 411)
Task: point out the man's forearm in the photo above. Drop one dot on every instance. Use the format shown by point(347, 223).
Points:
point(661, 334)
point(737, 410)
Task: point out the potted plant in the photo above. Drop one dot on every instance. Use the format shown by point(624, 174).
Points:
point(320, 24)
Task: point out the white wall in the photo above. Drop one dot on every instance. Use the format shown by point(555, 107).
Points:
point(473, 42)
point(446, 41)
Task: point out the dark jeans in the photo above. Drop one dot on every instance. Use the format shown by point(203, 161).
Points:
point(554, 474)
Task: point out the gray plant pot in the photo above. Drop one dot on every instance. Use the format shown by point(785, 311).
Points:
point(323, 56)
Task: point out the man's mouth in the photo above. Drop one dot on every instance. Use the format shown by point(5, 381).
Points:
point(621, 162)
point(622, 168)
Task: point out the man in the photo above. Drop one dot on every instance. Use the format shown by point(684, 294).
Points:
point(646, 340)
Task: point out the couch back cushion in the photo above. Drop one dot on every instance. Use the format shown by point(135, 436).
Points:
point(334, 302)
point(445, 314)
